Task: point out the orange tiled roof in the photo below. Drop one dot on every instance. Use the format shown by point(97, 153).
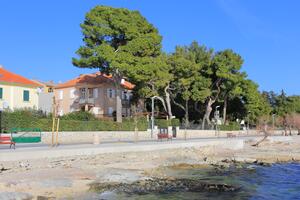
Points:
point(92, 79)
point(9, 77)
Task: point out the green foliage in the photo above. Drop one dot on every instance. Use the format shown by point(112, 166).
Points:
point(255, 103)
point(28, 119)
point(175, 122)
point(186, 64)
point(163, 123)
point(232, 126)
point(117, 40)
point(79, 115)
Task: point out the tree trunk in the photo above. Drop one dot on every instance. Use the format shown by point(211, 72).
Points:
point(266, 134)
point(186, 114)
point(118, 106)
point(208, 111)
point(117, 80)
point(168, 102)
point(225, 109)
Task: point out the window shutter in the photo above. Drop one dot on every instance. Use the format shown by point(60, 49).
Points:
point(113, 93)
point(25, 95)
point(72, 93)
point(1, 93)
point(95, 93)
point(61, 94)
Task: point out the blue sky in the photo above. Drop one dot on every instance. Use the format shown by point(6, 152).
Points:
point(39, 38)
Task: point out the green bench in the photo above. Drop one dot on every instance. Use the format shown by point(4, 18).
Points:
point(26, 135)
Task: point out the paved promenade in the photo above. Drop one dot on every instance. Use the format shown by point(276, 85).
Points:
point(38, 151)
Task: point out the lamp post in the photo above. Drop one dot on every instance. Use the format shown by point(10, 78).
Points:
point(273, 122)
point(248, 122)
point(217, 115)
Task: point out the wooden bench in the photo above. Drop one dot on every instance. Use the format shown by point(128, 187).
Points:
point(161, 136)
point(7, 140)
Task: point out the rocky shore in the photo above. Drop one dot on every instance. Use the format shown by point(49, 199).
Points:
point(135, 172)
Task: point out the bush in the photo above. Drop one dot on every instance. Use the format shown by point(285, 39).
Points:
point(79, 115)
point(175, 122)
point(29, 119)
point(232, 126)
point(163, 123)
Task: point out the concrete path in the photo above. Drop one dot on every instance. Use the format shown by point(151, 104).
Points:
point(40, 151)
point(27, 152)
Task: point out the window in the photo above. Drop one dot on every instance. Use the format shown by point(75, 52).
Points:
point(110, 111)
point(25, 95)
point(95, 92)
point(125, 95)
point(60, 94)
point(72, 93)
point(90, 90)
point(82, 93)
point(110, 93)
point(1, 93)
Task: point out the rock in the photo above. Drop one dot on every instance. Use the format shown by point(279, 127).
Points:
point(159, 185)
point(44, 198)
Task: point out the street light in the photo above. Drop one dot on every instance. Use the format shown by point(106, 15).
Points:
point(217, 115)
point(248, 122)
point(273, 121)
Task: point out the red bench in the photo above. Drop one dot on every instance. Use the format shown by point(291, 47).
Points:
point(7, 140)
point(161, 136)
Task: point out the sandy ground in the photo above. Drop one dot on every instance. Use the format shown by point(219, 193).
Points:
point(70, 177)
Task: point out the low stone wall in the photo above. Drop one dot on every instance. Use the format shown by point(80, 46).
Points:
point(127, 136)
point(90, 136)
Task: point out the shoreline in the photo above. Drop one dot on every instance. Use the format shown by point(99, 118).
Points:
point(68, 177)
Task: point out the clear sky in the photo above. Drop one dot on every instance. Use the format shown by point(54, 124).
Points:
point(38, 38)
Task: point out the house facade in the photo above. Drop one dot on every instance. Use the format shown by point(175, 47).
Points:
point(46, 95)
point(95, 93)
point(17, 91)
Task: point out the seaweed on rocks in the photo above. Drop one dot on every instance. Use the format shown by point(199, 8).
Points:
point(160, 185)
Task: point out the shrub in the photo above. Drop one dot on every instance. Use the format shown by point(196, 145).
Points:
point(175, 122)
point(79, 115)
point(163, 123)
point(232, 126)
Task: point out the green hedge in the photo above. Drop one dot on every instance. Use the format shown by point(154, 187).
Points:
point(163, 123)
point(79, 115)
point(232, 126)
point(28, 119)
point(76, 125)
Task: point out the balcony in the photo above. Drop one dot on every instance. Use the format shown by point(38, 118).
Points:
point(125, 103)
point(87, 101)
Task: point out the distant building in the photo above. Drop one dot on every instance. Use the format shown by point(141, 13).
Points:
point(46, 95)
point(17, 91)
point(47, 87)
point(95, 93)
